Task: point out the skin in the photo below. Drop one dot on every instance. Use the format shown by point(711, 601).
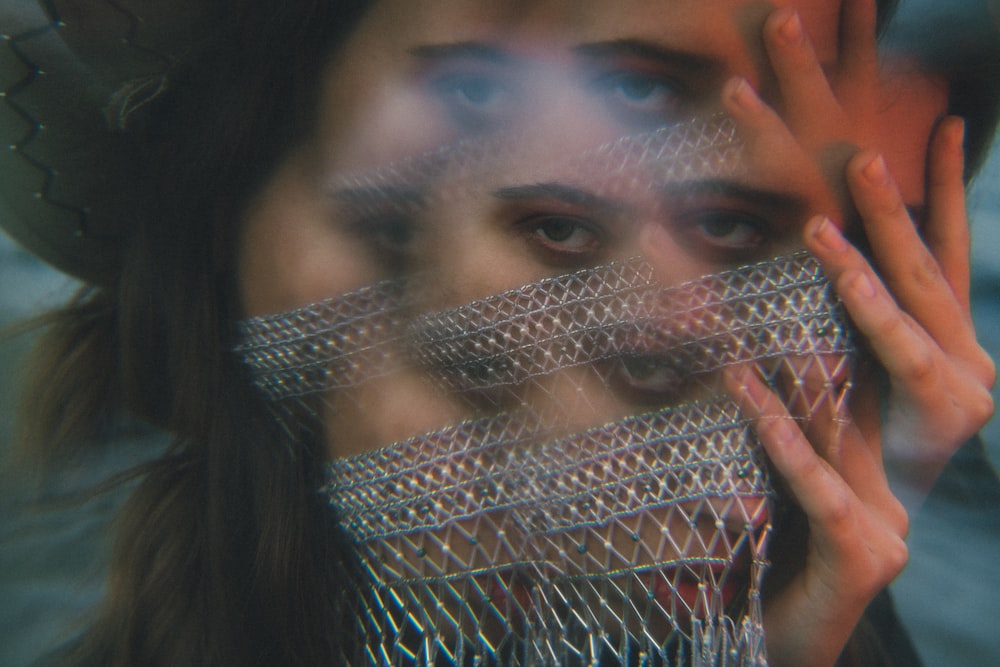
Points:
point(912, 200)
point(366, 125)
point(291, 254)
point(914, 313)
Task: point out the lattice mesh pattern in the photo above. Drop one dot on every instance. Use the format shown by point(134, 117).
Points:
point(528, 534)
point(543, 546)
point(763, 311)
point(335, 343)
point(704, 147)
point(590, 496)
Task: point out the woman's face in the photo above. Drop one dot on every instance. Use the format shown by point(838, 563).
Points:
point(526, 90)
point(462, 149)
point(564, 76)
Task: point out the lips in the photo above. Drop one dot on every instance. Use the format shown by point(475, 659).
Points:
point(698, 587)
point(695, 588)
point(510, 593)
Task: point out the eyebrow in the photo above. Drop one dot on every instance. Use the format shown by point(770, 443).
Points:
point(764, 198)
point(560, 192)
point(647, 50)
point(401, 197)
point(462, 50)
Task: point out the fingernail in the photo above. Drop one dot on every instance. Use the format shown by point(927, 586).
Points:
point(791, 29)
point(782, 430)
point(745, 96)
point(745, 379)
point(828, 236)
point(875, 171)
point(751, 387)
point(862, 284)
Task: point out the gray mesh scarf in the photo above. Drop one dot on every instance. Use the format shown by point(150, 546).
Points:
point(595, 498)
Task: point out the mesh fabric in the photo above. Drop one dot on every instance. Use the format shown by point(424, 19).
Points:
point(596, 498)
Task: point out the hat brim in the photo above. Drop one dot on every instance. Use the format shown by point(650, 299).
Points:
point(69, 83)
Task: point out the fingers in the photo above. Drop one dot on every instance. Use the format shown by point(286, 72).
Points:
point(946, 229)
point(830, 107)
point(777, 158)
point(812, 385)
point(810, 479)
point(824, 475)
point(900, 347)
point(806, 94)
point(908, 267)
point(825, 486)
point(938, 372)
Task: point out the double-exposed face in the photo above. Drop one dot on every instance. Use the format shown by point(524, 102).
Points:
point(562, 77)
point(472, 153)
point(524, 92)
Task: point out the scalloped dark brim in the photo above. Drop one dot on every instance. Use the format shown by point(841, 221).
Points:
point(62, 158)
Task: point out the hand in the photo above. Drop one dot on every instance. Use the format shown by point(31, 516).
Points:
point(920, 328)
point(917, 322)
point(856, 526)
point(916, 318)
point(849, 89)
point(829, 112)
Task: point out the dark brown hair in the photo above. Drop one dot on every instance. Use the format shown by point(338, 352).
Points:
point(961, 42)
point(225, 553)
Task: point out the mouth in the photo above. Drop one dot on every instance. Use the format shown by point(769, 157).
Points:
point(655, 378)
point(510, 592)
point(697, 590)
point(705, 585)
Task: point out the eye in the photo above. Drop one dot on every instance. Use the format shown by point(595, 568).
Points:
point(391, 233)
point(723, 235)
point(473, 97)
point(389, 237)
point(733, 230)
point(641, 95)
point(477, 91)
point(648, 378)
point(565, 235)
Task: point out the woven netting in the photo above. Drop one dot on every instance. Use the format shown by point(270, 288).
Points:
point(594, 496)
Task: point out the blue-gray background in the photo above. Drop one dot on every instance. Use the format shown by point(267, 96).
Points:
point(51, 559)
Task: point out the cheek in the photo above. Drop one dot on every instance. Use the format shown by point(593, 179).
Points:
point(291, 253)
point(912, 103)
point(386, 126)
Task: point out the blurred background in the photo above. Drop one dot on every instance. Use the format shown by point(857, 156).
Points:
point(51, 559)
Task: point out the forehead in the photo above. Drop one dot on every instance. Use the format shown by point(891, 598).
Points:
point(725, 29)
point(371, 112)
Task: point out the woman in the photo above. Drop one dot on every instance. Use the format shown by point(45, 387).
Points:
point(262, 540)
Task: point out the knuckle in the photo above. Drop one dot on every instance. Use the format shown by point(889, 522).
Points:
point(838, 513)
point(891, 328)
point(893, 208)
point(898, 518)
point(988, 369)
point(885, 560)
point(896, 558)
point(921, 368)
point(925, 272)
point(892, 558)
point(983, 407)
